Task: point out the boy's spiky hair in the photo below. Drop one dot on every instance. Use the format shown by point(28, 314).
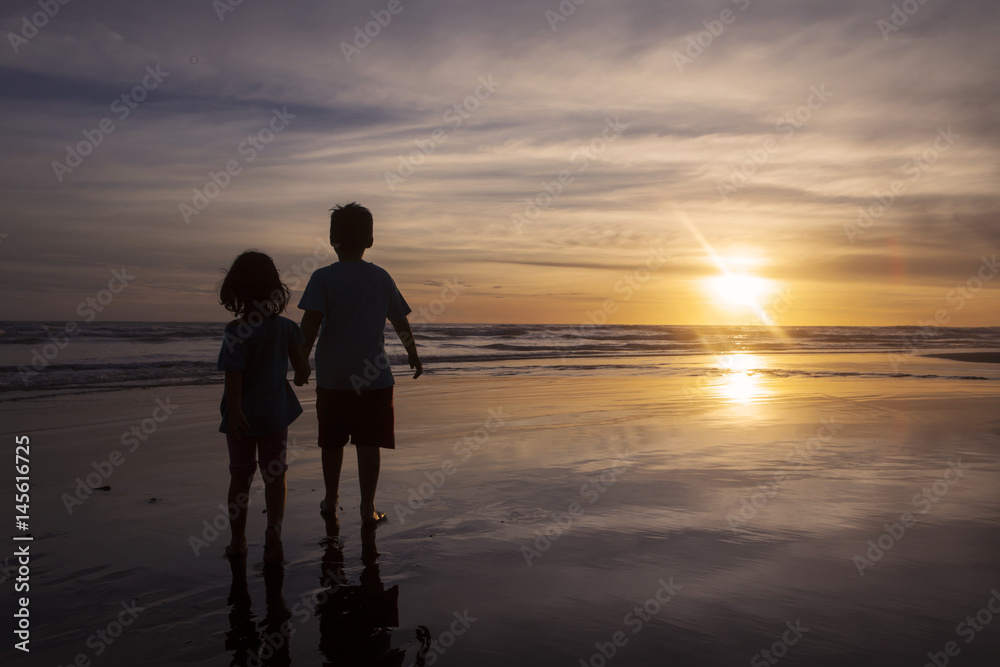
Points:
point(351, 226)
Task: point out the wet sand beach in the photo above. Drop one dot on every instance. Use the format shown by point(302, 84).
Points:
point(537, 521)
point(974, 357)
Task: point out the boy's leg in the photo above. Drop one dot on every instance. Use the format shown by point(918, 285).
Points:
point(376, 432)
point(332, 437)
point(369, 462)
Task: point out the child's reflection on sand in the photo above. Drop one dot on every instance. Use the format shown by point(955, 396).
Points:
point(268, 643)
point(356, 620)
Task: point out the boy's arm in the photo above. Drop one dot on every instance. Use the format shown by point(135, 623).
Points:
point(311, 319)
point(238, 424)
point(405, 334)
point(300, 362)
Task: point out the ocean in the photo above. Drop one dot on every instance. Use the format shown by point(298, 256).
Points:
point(39, 359)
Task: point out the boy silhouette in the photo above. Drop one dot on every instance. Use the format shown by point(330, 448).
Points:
point(352, 299)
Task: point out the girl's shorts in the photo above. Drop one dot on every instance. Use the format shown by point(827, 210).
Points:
point(271, 450)
point(363, 417)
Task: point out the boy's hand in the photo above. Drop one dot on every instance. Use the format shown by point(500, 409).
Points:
point(238, 424)
point(415, 364)
point(302, 378)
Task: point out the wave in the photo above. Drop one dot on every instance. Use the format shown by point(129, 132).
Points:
point(112, 354)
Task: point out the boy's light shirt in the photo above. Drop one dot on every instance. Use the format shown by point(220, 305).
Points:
point(356, 298)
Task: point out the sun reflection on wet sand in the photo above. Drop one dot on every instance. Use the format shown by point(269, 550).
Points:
point(740, 379)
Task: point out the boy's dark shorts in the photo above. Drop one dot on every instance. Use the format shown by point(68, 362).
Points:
point(365, 417)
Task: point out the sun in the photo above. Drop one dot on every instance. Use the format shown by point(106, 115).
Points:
point(738, 289)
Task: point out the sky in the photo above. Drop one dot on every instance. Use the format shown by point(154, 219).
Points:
point(632, 162)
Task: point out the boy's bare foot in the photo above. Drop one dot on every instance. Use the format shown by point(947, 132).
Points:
point(274, 553)
point(372, 518)
point(236, 550)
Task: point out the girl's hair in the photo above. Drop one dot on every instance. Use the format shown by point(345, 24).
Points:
point(252, 285)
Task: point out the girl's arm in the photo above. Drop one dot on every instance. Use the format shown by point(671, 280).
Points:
point(238, 424)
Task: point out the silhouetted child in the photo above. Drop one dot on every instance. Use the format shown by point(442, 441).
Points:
point(352, 299)
point(258, 404)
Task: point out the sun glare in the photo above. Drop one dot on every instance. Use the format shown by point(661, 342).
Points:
point(738, 289)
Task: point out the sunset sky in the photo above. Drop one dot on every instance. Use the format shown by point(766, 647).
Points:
point(646, 111)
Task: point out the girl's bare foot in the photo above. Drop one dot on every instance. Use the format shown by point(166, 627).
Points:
point(328, 509)
point(274, 553)
point(332, 524)
point(237, 549)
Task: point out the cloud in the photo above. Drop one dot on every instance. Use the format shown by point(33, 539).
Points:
point(687, 130)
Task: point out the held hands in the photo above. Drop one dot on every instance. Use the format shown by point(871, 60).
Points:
point(302, 377)
point(238, 424)
point(415, 364)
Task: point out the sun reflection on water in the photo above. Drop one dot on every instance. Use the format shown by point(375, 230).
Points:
point(741, 379)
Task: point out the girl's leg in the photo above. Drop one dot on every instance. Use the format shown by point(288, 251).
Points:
point(333, 461)
point(238, 499)
point(369, 461)
point(274, 497)
point(272, 461)
point(241, 471)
